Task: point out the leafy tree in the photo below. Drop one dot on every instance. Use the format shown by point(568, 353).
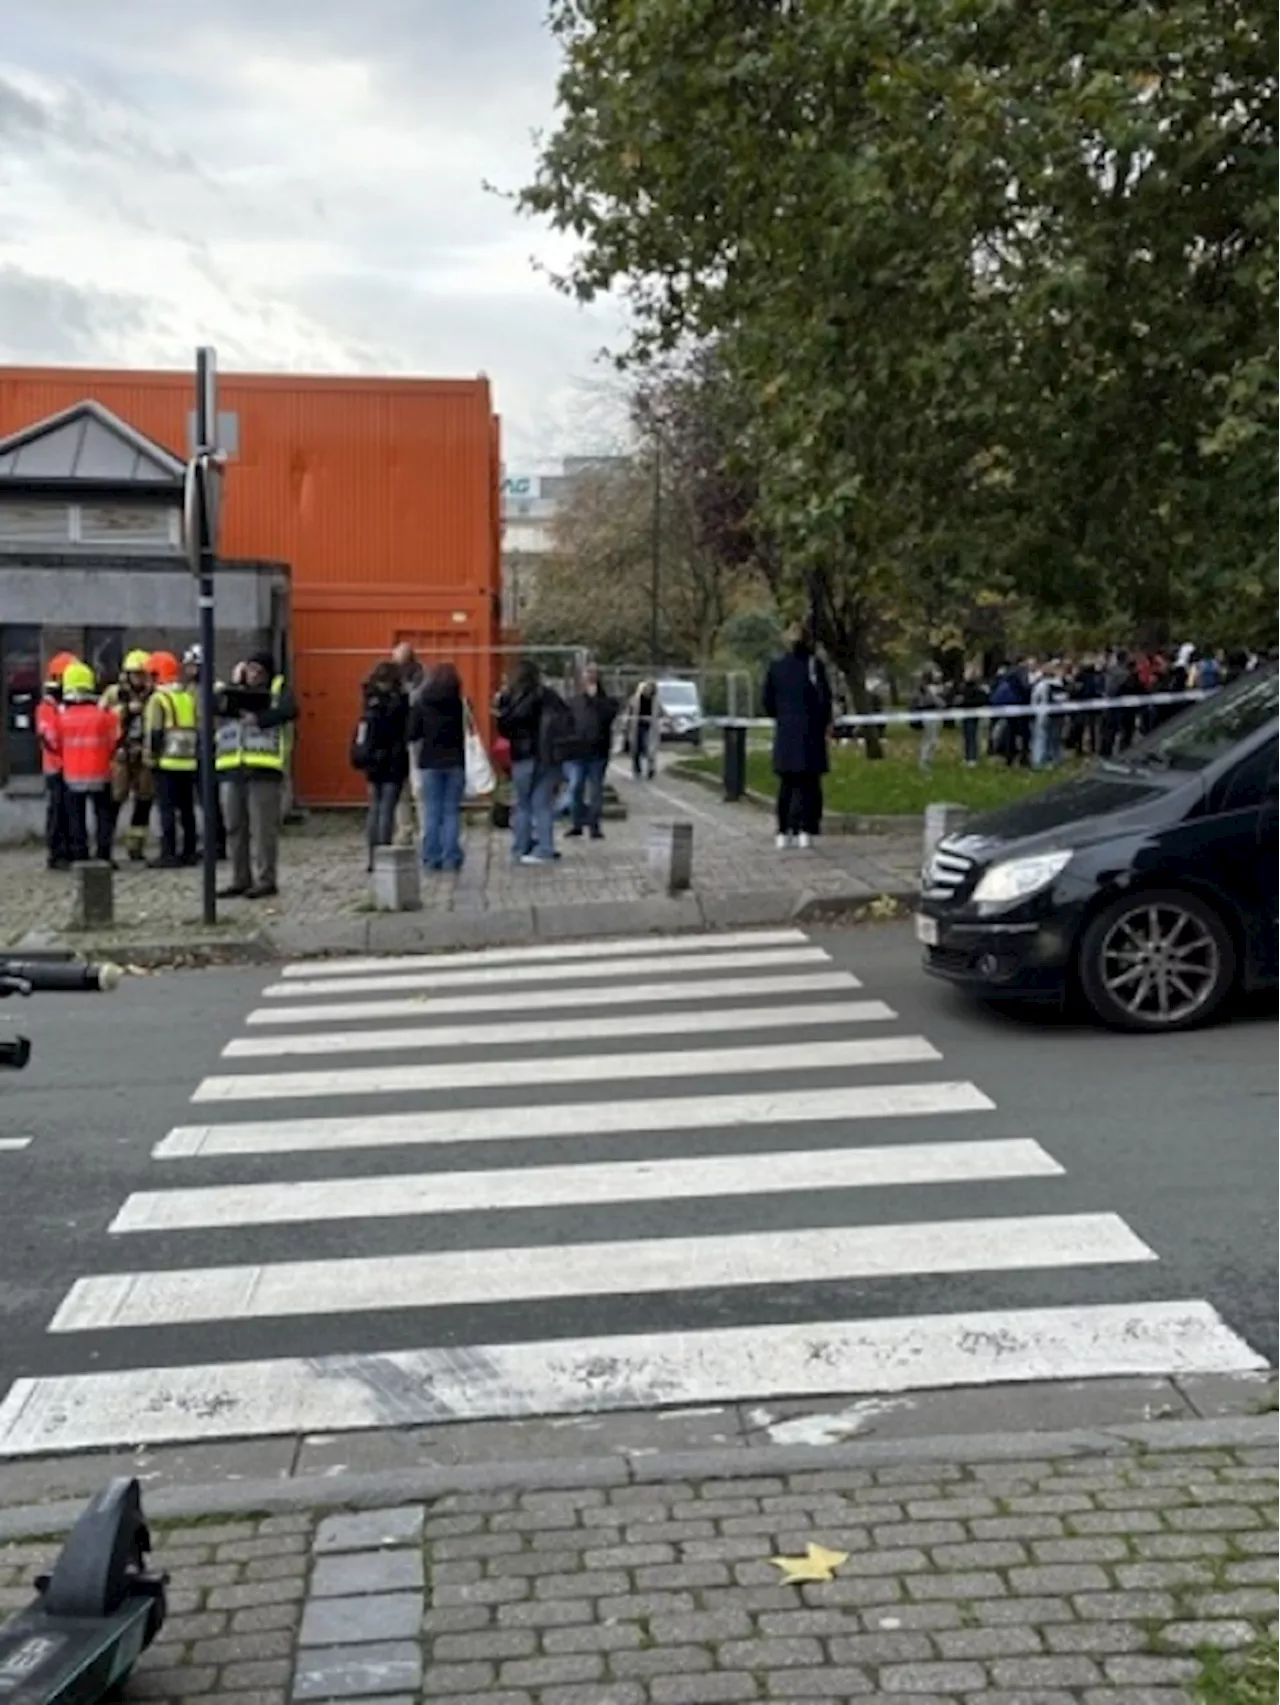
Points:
point(991, 286)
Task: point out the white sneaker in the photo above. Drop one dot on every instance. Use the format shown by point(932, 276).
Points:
point(804, 842)
point(782, 842)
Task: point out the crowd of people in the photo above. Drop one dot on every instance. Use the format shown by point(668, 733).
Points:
point(111, 751)
point(1044, 726)
point(418, 745)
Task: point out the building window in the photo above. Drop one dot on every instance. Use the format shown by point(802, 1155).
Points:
point(104, 652)
point(38, 523)
point(126, 527)
point(20, 697)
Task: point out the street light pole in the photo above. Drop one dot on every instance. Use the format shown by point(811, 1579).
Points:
point(203, 548)
point(656, 574)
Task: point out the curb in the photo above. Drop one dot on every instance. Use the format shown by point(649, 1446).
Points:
point(370, 1490)
point(456, 932)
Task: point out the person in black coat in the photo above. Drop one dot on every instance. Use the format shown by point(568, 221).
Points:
point(385, 728)
point(797, 695)
point(438, 725)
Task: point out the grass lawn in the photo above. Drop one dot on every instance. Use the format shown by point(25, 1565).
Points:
point(895, 785)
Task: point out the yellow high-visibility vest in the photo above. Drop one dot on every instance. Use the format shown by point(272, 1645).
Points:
point(244, 746)
point(173, 711)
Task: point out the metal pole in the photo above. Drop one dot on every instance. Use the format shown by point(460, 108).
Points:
point(656, 577)
point(206, 440)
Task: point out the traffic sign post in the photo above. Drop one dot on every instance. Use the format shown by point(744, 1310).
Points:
point(201, 507)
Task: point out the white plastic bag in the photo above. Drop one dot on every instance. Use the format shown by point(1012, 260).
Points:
point(480, 780)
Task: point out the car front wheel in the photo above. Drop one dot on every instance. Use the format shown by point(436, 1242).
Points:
point(1156, 961)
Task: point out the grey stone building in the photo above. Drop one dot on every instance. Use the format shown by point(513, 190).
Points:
point(91, 561)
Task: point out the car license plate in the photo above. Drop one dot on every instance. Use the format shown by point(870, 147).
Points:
point(926, 930)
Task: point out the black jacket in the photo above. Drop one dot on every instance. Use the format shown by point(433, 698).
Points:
point(387, 717)
point(797, 695)
point(520, 721)
point(438, 721)
point(594, 715)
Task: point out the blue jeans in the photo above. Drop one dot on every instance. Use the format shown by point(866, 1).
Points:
point(442, 812)
point(588, 793)
point(522, 774)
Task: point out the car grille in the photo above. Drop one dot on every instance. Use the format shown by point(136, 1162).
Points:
point(946, 873)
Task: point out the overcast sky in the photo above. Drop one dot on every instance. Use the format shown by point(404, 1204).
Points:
point(300, 183)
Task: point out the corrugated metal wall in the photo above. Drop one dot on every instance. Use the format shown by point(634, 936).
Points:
point(381, 494)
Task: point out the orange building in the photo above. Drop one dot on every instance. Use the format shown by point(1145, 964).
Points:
point(380, 495)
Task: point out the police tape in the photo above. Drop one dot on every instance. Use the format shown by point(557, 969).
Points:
point(982, 713)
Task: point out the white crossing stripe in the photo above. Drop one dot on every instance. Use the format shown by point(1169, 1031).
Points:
point(634, 947)
point(708, 1020)
point(12, 1143)
point(573, 1119)
point(813, 1359)
point(822, 1254)
point(559, 1186)
point(575, 1068)
point(452, 1005)
point(446, 976)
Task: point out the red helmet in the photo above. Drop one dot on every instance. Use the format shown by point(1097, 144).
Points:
point(58, 664)
point(164, 666)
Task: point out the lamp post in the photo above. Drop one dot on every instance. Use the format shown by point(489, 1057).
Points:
point(200, 517)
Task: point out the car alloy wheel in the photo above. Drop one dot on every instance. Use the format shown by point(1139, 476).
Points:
point(1157, 961)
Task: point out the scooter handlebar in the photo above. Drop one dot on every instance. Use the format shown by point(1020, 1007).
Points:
point(44, 978)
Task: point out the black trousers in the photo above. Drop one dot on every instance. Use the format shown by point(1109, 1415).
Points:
point(799, 802)
point(104, 823)
point(176, 794)
point(56, 840)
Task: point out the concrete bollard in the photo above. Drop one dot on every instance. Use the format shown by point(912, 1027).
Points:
point(940, 820)
point(94, 905)
point(397, 879)
point(671, 855)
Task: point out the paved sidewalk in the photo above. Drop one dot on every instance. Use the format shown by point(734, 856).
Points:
point(739, 879)
point(1127, 1576)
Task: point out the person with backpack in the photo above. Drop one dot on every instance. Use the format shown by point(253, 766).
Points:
point(538, 725)
point(380, 749)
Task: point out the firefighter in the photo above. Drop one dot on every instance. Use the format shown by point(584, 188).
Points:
point(131, 777)
point(88, 736)
point(171, 748)
point(48, 732)
point(192, 666)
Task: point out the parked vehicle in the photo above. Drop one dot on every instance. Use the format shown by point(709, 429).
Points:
point(679, 713)
point(1148, 885)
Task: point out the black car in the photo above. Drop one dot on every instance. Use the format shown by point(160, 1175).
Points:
point(1148, 884)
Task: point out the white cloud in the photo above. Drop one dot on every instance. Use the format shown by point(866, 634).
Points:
point(299, 182)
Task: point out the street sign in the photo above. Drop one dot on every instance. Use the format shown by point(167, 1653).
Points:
point(202, 505)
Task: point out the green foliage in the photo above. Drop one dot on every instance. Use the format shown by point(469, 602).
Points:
point(991, 286)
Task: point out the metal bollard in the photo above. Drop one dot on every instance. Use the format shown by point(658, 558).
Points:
point(671, 855)
point(735, 760)
point(940, 820)
point(94, 906)
point(397, 879)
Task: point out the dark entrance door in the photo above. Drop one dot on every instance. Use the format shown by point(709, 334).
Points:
point(20, 697)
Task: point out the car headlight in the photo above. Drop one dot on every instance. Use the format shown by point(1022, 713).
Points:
point(1016, 878)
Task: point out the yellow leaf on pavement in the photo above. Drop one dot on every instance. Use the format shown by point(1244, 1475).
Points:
point(817, 1564)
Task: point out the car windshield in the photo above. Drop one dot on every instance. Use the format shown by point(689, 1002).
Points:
point(1211, 728)
point(678, 695)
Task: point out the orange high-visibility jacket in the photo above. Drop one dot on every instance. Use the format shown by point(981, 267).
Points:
point(89, 737)
point(48, 713)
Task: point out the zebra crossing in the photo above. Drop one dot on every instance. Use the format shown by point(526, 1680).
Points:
point(592, 1176)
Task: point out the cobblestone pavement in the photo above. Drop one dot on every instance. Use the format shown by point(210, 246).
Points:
point(323, 876)
point(1102, 1580)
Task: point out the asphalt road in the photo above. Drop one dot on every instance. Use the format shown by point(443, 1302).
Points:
point(1175, 1136)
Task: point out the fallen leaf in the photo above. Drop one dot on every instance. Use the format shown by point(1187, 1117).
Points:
point(817, 1564)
